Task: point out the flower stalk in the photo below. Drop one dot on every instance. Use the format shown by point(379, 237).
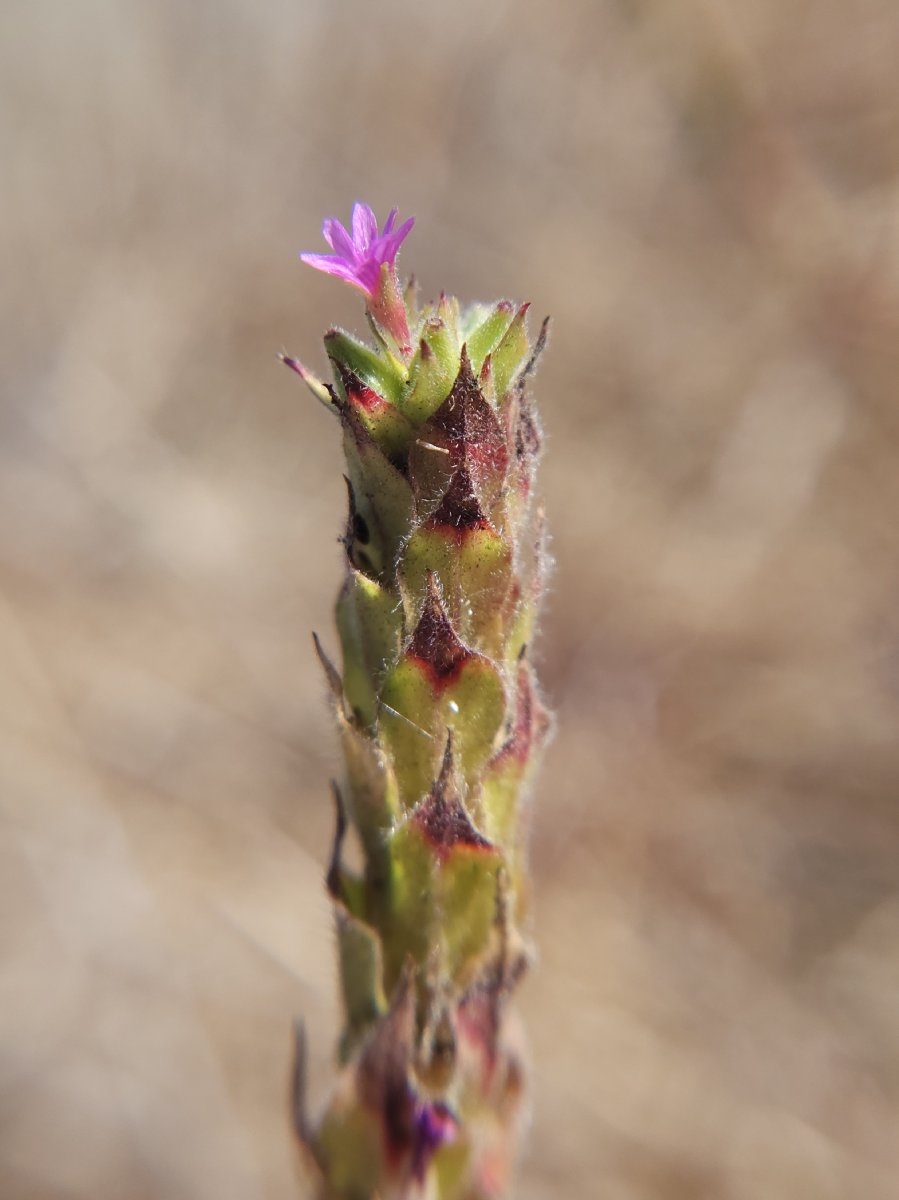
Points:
point(441, 725)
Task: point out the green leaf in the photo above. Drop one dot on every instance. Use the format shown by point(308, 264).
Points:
point(348, 1147)
point(512, 353)
point(382, 374)
point(359, 955)
point(369, 620)
point(412, 727)
point(499, 799)
point(412, 924)
point(371, 794)
point(433, 370)
point(508, 773)
point(382, 495)
point(467, 901)
point(486, 335)
point(474, 706)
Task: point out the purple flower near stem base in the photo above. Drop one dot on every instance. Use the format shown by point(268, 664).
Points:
point(358, 259)
point(435, 1125)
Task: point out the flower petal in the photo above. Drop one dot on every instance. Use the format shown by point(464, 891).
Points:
point(338, 238)
point(388, 247)
point(360, 257)
point(365, 227)
point(369, 276)
point(333, 264)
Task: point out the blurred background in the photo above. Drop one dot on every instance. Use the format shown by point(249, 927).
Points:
point(703, 194)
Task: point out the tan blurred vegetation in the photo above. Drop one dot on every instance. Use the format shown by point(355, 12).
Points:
point(704, 195)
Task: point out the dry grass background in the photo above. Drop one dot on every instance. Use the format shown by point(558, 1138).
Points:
point(704, 195)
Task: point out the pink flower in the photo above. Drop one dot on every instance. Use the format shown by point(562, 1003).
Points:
point(358, 259)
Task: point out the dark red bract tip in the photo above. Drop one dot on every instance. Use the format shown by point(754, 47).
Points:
point(442, 817)
point(460, 508)
point(434, 641)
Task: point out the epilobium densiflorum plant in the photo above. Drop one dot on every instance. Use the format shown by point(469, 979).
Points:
point(441, 725)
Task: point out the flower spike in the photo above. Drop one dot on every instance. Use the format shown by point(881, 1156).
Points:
point(441, 727)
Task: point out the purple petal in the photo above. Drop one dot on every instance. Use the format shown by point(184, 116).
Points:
point(368, 274)
point(338, 238)
point(333, 264)
point(388, 247)
point(358, 259)
point(365, 227)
